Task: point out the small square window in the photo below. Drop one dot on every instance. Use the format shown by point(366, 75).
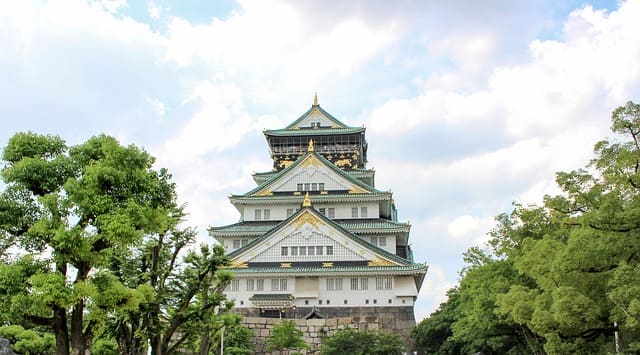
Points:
point(329, 250)
point(345, 301)
point(375, 301)
point(366, 301)
point(328, 301)
point(284, 251)
point(319, 301)
point(322, 210)
point(389, 300)
point(299, 187)
point(306, 301)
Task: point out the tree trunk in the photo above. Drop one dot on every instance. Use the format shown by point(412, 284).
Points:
point(77, 336)
point(61, 331)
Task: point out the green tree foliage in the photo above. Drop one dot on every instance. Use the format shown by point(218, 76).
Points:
point(27, 341)
point(350, 341)
point(565, 274)
point(97, 249)
point(286, 336)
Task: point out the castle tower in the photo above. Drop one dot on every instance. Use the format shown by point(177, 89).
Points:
point(315, 237)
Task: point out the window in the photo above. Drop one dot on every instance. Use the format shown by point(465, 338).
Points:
point(258, 215)
point(303, 251)
point(236, 243)
point(312, 251)
point(245, 242)
point(250, 285)
point(384, 283)
point(359, 284)
point(283, 251)
point(234, 286)
point(267, 214)
point(382, 241)
point(363, 212)
point(321, 186)
point(345, 301)
point(299, 187)
point(278, 284)
point(307, 186)
point(259, 285)
point(289, 212)
point(374, 240)
point(319, 250)
point(294, 251)
point(354, 212)
point(314, 186)
point(329, 249)
point(322, 210)
point(332, 212)
point(375, 301)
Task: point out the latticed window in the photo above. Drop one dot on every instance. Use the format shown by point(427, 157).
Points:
point(354, 283)
point(321, 186)
point(250, 284)
point(382, 241)
point(289, 212)
point(303, 251)
point(374, 240)
point(299, 187)
point(245, 242)
point(332, 212)
point(267, 214)
point(322, 210)
point(318, 250)
point(284, 251)
point(363, 212)
point(236, 243)
point(294, 251)
point(364, 283)
point(234, 286)
point(259, 285)
point(354, 212)
point(312, 251)
point(257, 215)
point(329, 250)
point(384, 283)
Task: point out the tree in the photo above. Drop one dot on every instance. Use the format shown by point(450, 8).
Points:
point(351, 341)
point(433, 335)
point(286, 336)
point(73, 208)
point(563, 275)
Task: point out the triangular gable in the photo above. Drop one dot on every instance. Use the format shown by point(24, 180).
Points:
point(309, 228)
point(316, 114)
point(311, 168)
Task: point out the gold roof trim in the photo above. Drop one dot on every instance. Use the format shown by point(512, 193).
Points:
point(307, 201)
point(310, 149)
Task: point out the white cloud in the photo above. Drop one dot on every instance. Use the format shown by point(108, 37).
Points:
point(471, 229)
point(433, 291)
point(155, 10)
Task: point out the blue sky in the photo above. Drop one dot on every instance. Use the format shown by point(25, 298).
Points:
point(468, 105)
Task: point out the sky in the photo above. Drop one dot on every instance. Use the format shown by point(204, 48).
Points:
point(468, 105)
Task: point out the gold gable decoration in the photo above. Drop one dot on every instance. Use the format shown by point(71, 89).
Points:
point(307, 201)
point(306, 218)
point(310, 149)
point(380, 262)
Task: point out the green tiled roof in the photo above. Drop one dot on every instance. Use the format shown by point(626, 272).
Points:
point(353, 225)
point(324, 161)
point(316, 198)
point(312, 131)
point(261, 177)
point(406, 269)
point(322, 111)
point(317, 214)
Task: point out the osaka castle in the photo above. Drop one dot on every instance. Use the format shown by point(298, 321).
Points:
point(315, 238)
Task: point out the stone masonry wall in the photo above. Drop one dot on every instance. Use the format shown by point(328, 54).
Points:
point(396, 320)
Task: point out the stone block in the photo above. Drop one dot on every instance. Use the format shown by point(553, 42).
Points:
point(331, 322)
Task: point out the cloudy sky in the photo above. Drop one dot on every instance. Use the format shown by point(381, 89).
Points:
point(468, 105)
